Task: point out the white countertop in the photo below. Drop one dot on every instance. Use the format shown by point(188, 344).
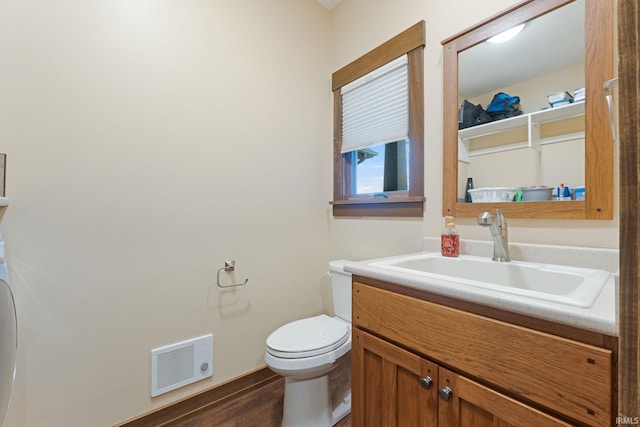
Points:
point(601, 317)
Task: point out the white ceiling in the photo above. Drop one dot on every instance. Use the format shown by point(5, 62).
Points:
point(329, 4)
point(548, 43)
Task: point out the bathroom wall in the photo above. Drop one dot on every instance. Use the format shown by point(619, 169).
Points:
point(147, 142)
point(361, 25)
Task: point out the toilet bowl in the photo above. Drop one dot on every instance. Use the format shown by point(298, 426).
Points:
point(313, 355)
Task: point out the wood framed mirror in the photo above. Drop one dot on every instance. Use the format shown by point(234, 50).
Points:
point(594, 154)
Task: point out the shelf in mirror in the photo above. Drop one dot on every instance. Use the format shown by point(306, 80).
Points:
point(530, 122)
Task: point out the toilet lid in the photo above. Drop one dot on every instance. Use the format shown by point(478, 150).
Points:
point(308, 337)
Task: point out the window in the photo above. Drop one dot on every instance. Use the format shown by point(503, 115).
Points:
point(380, 169)
point(379, 130)
point(375, 129)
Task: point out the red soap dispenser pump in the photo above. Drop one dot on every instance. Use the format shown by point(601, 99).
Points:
point(450, 240)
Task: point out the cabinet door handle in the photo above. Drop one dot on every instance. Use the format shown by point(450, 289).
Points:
point(426, 382)
point(445, 393)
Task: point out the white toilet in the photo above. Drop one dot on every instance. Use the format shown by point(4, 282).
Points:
point(313, 355)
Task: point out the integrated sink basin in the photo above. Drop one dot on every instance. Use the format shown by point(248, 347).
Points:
point(554, 283)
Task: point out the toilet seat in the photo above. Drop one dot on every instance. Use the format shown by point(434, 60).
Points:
point(308, 337)
point(307, 367)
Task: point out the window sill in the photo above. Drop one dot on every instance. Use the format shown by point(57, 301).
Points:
point(412, 207)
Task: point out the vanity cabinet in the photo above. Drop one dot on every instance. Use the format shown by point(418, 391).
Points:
point(395, 387)
point(417, 362)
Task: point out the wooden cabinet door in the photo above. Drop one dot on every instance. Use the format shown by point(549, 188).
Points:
point(391, 386)
point(471, 404)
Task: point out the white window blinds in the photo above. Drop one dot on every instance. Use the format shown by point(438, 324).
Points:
point(375, 108)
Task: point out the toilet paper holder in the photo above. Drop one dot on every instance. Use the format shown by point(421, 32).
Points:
point(229, 267)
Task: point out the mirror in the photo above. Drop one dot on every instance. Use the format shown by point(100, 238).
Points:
point(564, 45)
point(525, 67)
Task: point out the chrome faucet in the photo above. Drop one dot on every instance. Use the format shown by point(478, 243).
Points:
point(498, 227)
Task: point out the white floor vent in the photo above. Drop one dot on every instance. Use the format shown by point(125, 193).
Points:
point(181, 364)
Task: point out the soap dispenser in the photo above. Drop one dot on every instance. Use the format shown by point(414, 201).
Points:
point(450, 240)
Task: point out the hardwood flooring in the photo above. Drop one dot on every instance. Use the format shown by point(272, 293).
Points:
point(261, 407)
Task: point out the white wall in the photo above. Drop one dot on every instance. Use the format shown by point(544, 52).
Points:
point(361, 25)
point(147, 142)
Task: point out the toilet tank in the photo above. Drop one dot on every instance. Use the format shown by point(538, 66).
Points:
point(341, 289)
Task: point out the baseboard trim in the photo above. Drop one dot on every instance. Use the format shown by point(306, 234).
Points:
point(180, 411)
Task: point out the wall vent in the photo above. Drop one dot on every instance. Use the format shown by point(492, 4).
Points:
point(177, 365)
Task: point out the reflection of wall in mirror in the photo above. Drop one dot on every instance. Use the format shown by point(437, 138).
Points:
point(555, 164)
point(513, 168)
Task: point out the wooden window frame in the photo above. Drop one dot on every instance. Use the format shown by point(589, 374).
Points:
point(405, 204)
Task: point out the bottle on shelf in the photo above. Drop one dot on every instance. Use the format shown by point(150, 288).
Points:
point(467, 195)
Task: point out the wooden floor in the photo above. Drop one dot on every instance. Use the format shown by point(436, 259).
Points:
point(258, 408)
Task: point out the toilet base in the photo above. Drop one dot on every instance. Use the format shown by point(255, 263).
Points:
point(307, 403)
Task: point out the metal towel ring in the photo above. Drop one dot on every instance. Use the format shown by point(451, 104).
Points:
point(229, 266)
